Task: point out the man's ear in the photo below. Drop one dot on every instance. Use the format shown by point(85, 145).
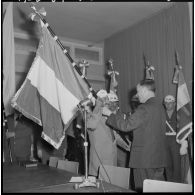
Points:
point(145, 90)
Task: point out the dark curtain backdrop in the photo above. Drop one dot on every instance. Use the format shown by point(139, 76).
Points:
point(157, 38)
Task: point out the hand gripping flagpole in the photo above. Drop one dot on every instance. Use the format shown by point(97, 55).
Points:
point(40, 13)
point(86, 181)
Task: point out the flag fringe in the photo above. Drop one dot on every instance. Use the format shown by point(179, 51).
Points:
point(189, 125)
point(29, 116)
point(14, 100)
point(52, 142)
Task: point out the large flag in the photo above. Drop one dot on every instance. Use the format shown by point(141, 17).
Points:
point(8, 59)
point(184, 122)
point(51, 91)
point(183, 109)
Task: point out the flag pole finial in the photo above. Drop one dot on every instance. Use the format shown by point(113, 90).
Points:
point(177, 60)
point(41, 12)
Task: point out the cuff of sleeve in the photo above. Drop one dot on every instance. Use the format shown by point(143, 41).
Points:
point(111, 119)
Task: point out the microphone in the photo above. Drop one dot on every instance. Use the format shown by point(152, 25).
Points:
point(86, 102)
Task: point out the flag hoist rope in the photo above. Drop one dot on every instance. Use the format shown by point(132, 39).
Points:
point(64, 51)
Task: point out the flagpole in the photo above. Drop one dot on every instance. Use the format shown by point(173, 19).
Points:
point(64, 50)
point(5, 125)
point(113, 86)
point(176, 81)
point(189, 156)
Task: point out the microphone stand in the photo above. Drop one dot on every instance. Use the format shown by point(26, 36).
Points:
point(87, 181)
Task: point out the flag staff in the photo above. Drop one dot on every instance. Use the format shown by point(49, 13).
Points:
point(176, 80)
point(55, 37)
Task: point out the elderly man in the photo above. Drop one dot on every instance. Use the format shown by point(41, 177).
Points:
point(173, 171)
point(148, 150)
point(102, 143)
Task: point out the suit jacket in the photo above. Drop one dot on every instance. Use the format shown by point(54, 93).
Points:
point(148, 148)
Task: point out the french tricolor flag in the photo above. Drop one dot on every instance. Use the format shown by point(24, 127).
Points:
point(51, 91)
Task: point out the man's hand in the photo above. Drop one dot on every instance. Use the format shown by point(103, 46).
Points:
point(106, 111)
point(99, 102)
point(121, 142)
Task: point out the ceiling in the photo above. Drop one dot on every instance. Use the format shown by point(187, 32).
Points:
point(90, 22)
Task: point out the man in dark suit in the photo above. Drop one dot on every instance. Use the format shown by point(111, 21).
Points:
point(148, 150)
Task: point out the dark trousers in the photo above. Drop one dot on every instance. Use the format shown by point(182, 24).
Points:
point(75, 152)
point(173, 170)
point(141, 174)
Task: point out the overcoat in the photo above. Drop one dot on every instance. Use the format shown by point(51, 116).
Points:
point(148, 148)
point(103, 148)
